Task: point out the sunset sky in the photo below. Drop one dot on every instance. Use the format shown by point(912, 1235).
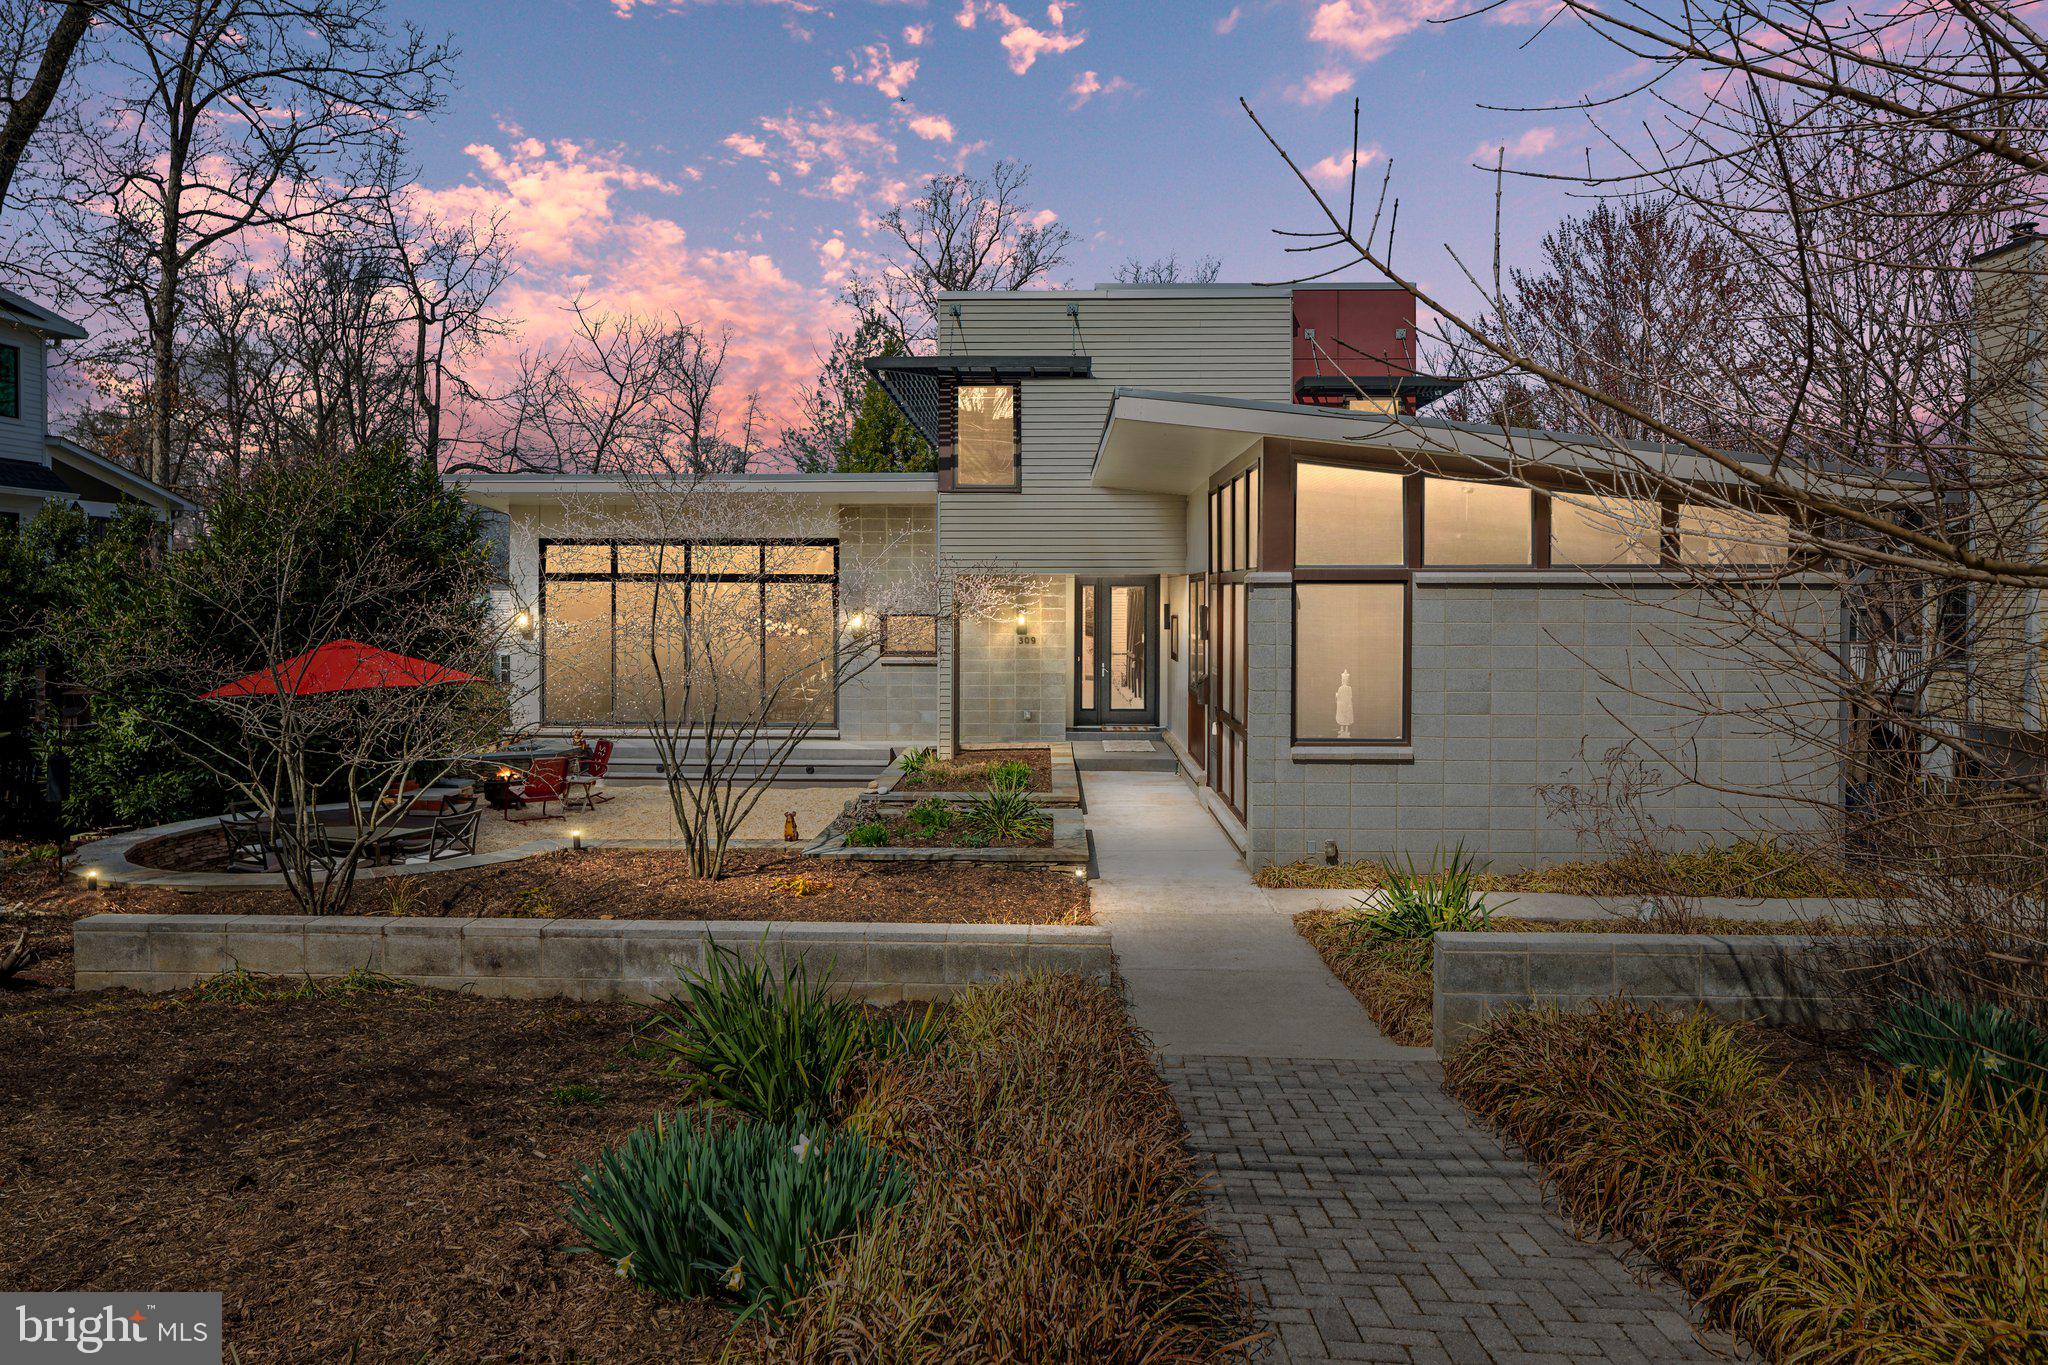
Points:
point(724, 159)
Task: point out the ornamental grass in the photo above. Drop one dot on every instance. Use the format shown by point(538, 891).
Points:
point(1823, 1218)
point(1057, 1212)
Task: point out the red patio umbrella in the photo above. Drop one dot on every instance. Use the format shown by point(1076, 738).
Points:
point(340, 666)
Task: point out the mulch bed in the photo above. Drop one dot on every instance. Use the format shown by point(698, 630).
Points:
point(373, 1178)
point(970, 764)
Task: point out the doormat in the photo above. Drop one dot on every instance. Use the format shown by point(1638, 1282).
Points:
point(1127, 746)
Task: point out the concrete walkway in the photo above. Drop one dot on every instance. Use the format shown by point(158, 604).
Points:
point(1373, 1217)
point(1214, 967)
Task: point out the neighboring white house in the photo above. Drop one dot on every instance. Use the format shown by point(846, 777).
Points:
point(1214, 497)
point(36, 467)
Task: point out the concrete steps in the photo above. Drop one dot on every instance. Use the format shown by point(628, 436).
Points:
point(634, 758)
point(1117, 751)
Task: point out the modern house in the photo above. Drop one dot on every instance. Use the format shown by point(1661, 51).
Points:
point(36, 467)
point(1355, 627)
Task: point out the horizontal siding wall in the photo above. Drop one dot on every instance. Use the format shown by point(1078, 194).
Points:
point(22, 438)
point(1061, 523)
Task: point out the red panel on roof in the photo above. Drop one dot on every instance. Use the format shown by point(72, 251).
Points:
point(1361, 332)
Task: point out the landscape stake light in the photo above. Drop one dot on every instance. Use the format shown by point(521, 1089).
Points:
point(575, 841)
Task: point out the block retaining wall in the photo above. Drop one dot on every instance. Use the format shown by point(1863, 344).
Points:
point(1780, 979)
point(574, 959)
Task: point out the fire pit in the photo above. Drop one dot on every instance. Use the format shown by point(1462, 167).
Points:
point(498, 791)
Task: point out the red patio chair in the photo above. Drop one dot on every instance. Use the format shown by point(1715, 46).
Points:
point(545, 782)
point(595, 767)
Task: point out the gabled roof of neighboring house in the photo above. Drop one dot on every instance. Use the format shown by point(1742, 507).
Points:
point(33, 315)
point(912, 381)
point(66, 452)
point(26, 476)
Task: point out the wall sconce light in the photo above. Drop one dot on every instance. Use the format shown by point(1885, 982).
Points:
point(1023, 622)
point(856, 623)
point(522, 621)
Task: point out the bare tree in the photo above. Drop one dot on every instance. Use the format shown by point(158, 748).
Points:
point(1168, 269)
point(624, 394)
point(962, 232)
point(1640, 299)
point(38, 42)
point(228, 118)
point(1864, 166)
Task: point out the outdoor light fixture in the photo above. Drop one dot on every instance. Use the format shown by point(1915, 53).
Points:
point(92, 879)
point(575, 841)
point(522, 621)
point(1023, 622)
point(857, 623)
point(1330, 853)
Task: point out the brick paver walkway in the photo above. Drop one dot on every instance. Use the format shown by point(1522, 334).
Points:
point(1376, 1220)
point(1379, 1222)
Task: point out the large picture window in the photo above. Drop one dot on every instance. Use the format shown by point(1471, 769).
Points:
point(1350, 661)
point(1731, 536)
point(1476, 523)
point(985, 436)
point(1347, 516)
point(1595, 531)
point(631, 632)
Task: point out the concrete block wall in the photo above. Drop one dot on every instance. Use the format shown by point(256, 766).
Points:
point(1779, 979)
point(1515, 687)
point(887, 562)
point(1004, 676)
point(574, 959)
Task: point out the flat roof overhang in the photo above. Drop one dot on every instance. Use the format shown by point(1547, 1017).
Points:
point(912, 381)
point(502, 492)
point(1160, 442)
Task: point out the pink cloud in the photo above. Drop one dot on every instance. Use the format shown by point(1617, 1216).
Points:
point(624, 8)
point(875, 65)
point(847, 153)
point(1024, 42)
point(917, 35)
point(1088, 85)
point(932, 127)
point(1532, 142)
point(563, 204)
point(1337, 165)
point(1229, 21)
point(1367, 28)
point(1320, 87)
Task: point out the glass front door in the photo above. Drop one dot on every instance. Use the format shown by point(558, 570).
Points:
point(1116, 663)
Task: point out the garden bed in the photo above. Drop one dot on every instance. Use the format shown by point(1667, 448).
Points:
point(1393, 980)
point(598, 884)
point(406, 1154)
point(373, 1177)
point(968, 769)
point(1817, 1206)
point(1747, 869)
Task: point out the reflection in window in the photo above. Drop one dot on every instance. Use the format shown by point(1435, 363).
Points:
point(1731, 536)
point(1476, 523)
point(579, 559)
point(799, 651)
point(1347, 516)
point(910, 637)
point(576, 651)
point(986, 436)
point(1349, 661)
point(1589, 529)
point(698, 628)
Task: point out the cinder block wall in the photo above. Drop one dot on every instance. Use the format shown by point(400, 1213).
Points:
point(1004, 675)
point(887, 558)
point(1512, 690)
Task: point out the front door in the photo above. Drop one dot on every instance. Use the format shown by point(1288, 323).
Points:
point(1116, 660)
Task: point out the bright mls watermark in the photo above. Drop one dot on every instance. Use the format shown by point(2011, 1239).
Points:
point(162, 1329)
